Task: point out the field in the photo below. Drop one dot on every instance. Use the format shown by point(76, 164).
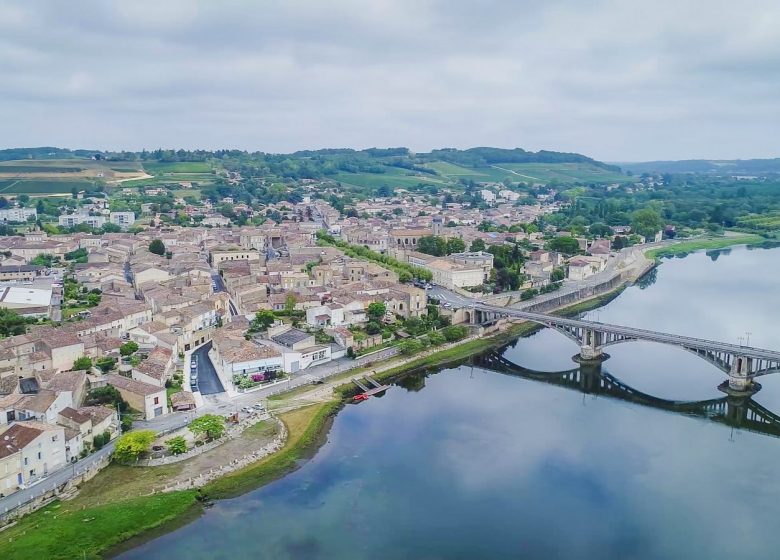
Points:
point(563, 172)
point(160, 167)
point(479, 175)
point(529, 172)
point(42, 186)
point(376, 180)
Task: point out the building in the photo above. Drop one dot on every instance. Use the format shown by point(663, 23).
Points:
point(151, 400)
point(72, 220)
point(26, 301)
point(122, 219)
point(40, 448)
point(17, 214)
point(20, 272)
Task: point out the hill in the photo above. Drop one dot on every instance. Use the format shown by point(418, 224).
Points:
point(708, 166)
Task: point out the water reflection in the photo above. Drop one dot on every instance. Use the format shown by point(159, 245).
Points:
point(591, 379)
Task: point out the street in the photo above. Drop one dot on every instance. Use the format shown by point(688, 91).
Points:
point(208, 380)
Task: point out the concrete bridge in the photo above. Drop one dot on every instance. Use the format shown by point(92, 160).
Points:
point(736, 411)
point(742, 364)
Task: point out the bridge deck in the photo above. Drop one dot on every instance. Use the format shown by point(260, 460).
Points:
point(640, 334)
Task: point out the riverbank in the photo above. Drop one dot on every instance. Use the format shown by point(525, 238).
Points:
point(111, 513)
point(707, 244)
point(114, 510)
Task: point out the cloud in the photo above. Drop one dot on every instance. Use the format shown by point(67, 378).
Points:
point(615, 80)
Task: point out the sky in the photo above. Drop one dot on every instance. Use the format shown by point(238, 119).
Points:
point(629, 80)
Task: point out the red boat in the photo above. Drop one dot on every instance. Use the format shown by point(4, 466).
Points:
point(360, 397)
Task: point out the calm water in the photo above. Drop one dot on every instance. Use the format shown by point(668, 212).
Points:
point(473, 463)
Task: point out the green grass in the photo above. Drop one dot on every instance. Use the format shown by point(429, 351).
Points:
point(685, 247)
point(304, 426)
point(564, 172)
point(38, 169)
point(158, 167)
point(61, 532)
point(45, 186)
point(376, 180)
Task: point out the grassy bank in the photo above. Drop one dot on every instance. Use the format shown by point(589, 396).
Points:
point(63, 530)
point(304, 428)
point(111, 508)
point(685, 247)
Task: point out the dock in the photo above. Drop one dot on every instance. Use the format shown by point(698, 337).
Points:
point(375, 388)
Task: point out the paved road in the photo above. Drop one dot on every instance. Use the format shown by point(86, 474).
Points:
point(208, 380)
point(219, 286)
point(55, 478)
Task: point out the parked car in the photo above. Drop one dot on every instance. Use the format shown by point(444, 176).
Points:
point(258, 406)
point(248, 409)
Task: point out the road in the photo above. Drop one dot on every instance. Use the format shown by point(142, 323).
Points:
point(54, 479)
point(208, 380)
point(219, 286)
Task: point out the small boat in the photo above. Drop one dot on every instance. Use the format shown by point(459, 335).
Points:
point(361, 397)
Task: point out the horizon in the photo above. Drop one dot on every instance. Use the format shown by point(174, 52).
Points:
point(558, 76)
point(608, 162)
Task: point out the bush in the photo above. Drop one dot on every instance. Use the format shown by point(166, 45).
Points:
point(82, 363)
point(128, 348)
point(410, 347)
point(529, 293)
point(373, 328)
point(176, 445)
point(454, 332)
point(436, 338)
point(131, 445)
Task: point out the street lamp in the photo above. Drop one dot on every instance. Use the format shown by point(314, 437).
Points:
point(748, 333)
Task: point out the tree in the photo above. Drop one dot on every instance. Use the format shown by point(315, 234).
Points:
point(128, 348)
point(129, 446)
point(157, 247)
point(455, 245)
point(432, 245)
point(646, 222)
point(600, 229)
point(106, 363)
point(83, 362)
point(289, 304)
point(566, 245)
point(557, 274)
point(477, 245)
point(176, 445)
point(373, 328)
point(212, 425)
point(376, 310)
point(263, 319)
point(11, 323)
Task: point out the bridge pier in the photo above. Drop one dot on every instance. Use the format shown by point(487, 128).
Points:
point(591, 350)
point(741, 378)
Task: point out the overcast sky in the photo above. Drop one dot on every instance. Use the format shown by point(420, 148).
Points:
point(615, 80)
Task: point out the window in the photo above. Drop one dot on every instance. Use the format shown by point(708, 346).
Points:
point(156, 400)
point(39, 455)
point(25, 461)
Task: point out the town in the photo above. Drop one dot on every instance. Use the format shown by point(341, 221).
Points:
point(140, 324)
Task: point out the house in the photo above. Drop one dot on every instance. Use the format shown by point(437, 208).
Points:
point(41, 449)
point(151, 400)
point(581, 268)
point(10, 467)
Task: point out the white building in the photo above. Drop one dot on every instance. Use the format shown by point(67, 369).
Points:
point(122, 219)
point(487, 196)
point(17, 214)
point(72, 220)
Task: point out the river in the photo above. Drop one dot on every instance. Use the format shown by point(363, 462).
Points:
point(468, 462)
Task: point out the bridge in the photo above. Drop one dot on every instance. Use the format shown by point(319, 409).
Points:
point(742, 364)
point(740, 412)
